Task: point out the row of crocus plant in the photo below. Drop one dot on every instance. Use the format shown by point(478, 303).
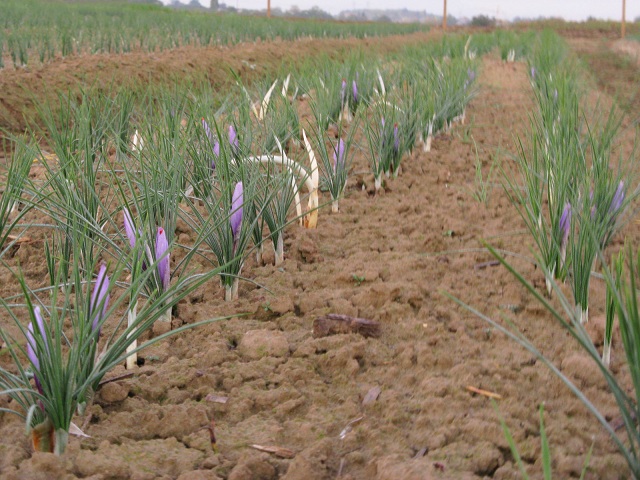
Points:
point(127, 171)
point(35, 31)
point(425, 97)
point(574, 197)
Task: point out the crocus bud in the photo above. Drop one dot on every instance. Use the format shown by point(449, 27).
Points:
point(99, 297)
point(212, 140)
point(128, 227)
point(533, 72)
point(233, 139)
point(471, 75)
point(31, 354)
point(565, 223)
point(354, 89)
point(565, 229)
point(343, 89)
point(41, 327)
point(32, 345)
point(338, 154)
point(618, 198)
point(207, 130)
point(162, 257)
point(236, 210)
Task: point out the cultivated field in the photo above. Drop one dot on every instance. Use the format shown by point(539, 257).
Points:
point(328, 349)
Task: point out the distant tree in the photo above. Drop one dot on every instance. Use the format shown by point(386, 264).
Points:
point(214, 5)
point(383, 19)
point(451, 20)
point(483, 21)
point(317, 12)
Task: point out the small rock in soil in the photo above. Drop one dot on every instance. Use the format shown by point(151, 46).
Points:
point(256, 344)
point(113, 392)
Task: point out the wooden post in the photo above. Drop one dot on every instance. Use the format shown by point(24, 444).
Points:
point(268, 8)
point(624, 15)
point(444, 16)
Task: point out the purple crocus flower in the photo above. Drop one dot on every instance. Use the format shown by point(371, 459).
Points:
point(33, 358)
point(99, 297)
point(338, 154)
point(565, 224)
point(343, 89)
point(41, 328)
point(565, 229)
point(129, 228)
point(207, 130)
point(236, 210)
point(162, 257)
point(533, 72)
point(354, 89)
point(471, 75)
point(233, 139)
point(32, 345)
point(214, 141)
point(618, 198)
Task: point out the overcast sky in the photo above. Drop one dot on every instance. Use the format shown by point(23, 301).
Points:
point(502, 9)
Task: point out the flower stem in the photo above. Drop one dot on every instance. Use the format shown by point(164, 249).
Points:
point(132, 360)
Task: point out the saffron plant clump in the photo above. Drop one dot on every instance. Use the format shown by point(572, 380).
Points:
point(68, 354)
point(225, 230)
point(385, 146)
point(335, 161)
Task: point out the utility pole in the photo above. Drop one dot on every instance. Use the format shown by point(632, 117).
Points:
point(444, 16)
point(624, 15)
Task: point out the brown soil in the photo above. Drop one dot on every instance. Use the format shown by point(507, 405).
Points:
point(23, 89)
point(616, 68)
point(386, 258)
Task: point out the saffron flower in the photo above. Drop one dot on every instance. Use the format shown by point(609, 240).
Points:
point(618, 198)
point(565, 229)
point(354, 89)
point(207, 130)
point(338, 154)
point(31, 345)
point(215, 144)
point(99, 297)
point(343, 90)
point(236, 211)
point(128, 227)
point(233, 140)
point(471, 75)
point(162, 257)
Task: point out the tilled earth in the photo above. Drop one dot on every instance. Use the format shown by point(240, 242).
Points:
point(344, 406)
